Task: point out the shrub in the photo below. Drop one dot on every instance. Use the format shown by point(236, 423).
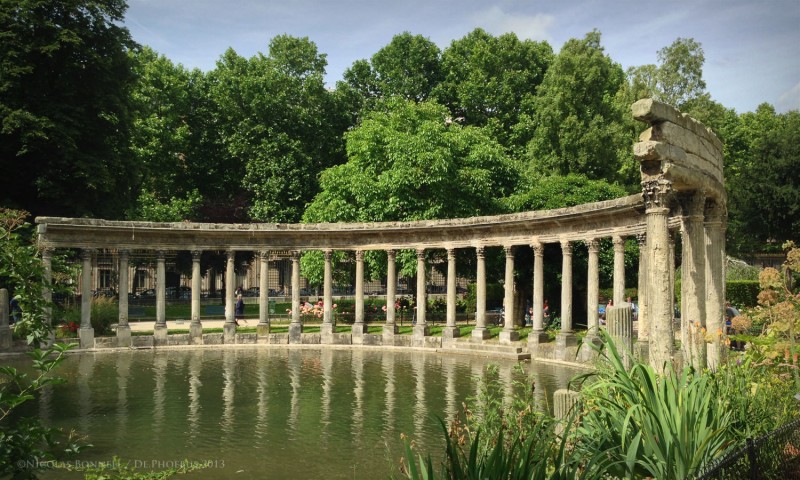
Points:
point(742, 293)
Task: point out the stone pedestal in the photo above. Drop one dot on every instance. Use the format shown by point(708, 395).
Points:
point(295, 332)
point(388, 335)
point(564, 402)
point(449, 333)
point(481, 333)
point(587, 353)
point(534, 340)
point(566, 346)
point(86, 337)
point(262, 330)
point(123, 336)
point(508, 336)
point(229, 333)
point(196, 333)
point(326, 333)
point(359, 328)
point(418, 335)
point(620, 329)
point(159, 335)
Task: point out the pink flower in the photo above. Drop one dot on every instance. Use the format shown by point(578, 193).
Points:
point(384, 308)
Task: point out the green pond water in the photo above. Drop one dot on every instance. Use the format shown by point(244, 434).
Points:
point(269, 413)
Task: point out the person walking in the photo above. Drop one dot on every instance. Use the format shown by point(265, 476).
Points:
point(239, 310)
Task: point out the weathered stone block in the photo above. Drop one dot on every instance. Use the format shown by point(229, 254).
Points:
point(213, 339)
point(372, 339)
point(246, 338)
point(309, 339)
point(124, 336)
point(86, 337)
point(142, 341)
point(278, 338)
point(179, 339)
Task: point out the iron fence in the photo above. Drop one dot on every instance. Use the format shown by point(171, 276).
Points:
point(775, 455)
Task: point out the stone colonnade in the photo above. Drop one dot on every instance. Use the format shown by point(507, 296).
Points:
point(682, 190)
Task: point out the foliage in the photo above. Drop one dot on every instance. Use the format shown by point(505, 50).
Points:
point(677, 80)
point(557, 191)
point(739, 270)
point(742, 293)
point(65, 80)
point(174, 209)
point(118, 469)
point(104, 313)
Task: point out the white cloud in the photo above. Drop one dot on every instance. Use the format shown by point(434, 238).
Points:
point(790, 99)
point(497, 22)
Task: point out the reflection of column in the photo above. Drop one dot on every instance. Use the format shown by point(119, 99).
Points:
point(359, 327)
point(480, 330)
point(295, 364)
point(85, 373)
point(449, 371)
point(715, 278)
point(47, 290)
point(326, 330)
point(507, 379)
point(262, 329)
point(195, 367)
point(539, 393)
point(421, 328)
point(357, 362)
point(326, 362)
point(693, 279)
point(123, 329)
point(86, 332)
point(391, 286)
point(593, 287)
point(160, 361)
point(296, 326)
point(123, 364)
point(619, 270)
point(451, 330)
point(657, 195)
point(196, 328)
point(509, 334)
point(538, 335)
point(643, 315)
point(387, 365)
point(262, 415)
point(420, 403)
point(228, 393)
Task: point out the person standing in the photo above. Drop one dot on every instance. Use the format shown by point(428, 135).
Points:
point(239, 310)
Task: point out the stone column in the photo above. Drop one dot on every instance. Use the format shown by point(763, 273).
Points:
point(657, 195)
point(620, 329)
point(565, 401)
point(160, 328)
point(693, 279)
point(86, 332)
point(123, 329)
point(619, 269)
point(390, 329)
point(593, 287)
point(47, 292)
point(196, 327)
point(508, 334)
point(715, 281)
point(480, 331)
point(262, 329)
point(566, 339)
point(642, 346)
point(326, 329)
point(538, 334)
point(296, 326)
point(359, 326)
point(229, 328)
point(5, 331)
point(421, 328)
point(451, 330)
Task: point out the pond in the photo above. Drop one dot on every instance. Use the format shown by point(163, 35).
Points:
point(270, 413)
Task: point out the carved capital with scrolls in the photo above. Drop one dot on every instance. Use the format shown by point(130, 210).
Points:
point(657, 193)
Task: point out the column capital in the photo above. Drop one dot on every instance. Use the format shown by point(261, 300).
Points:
point(196, 255)
point(294, 255)
point(124, 253)
point(327, 253)
point(538, 247)
point(593, 245)
point(657, 194)
point(715, 212)
point(619, 242)
point(693, 204)
point(509, 250)
point(391, 254)
point(263, 255)
point(566, 247)
point(451, 253)
point(480, 250)
point(359, 255)
point(420, 254)
point(86, 253)
point(641, 239)
point(47, 252)
point(161, 255)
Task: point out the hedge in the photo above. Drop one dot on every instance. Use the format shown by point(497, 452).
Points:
point(742, 293)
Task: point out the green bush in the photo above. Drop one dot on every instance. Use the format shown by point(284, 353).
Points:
point(494, 296)
point(742, 293)
point(105, 312)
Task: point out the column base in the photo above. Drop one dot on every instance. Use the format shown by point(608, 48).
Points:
point(196, 333)
point(587, 353)
point(390, 328)
point(5, 337)
point(262, 329)
point(229, 333)
point(481, 333)
point(449, 333)
point(389, 332)
point(359, 328)
point(124, 336)
point(508, 336)
point(86, 337)
point(295, 332)
point(159, 335)
point(418, 335)
point(326, 333)
point(566, 346)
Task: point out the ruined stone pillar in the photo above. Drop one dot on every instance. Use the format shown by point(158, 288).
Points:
point(296, 326)
point(47, 291)
point(657, 195)
point(451, 330)
point(123, 329)
point(262, 329)
point(229, 328)
point(620, 329)
point(508, 334)
point(693, 279)
point(715, 280)
point(564, 402)
point(644, 328)
point(326, 329)
point(619, 270)
point(86, 332)
point(359, 326)
point(421, 328)
point(390, 329)
point(538, 334)
point(5, 329)
point(566, 340)
point(593, 287)
point(480, 331)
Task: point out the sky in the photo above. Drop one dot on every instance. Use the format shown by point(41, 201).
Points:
point(752, 47)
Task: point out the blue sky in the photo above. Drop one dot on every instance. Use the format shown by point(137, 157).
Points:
point(752, 48)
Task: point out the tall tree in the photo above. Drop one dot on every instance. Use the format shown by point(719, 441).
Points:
point(491, 80)
point(577, 125)
point(65, 80)
point(676, 80)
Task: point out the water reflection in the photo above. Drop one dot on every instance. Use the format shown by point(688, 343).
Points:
point(272, 412)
